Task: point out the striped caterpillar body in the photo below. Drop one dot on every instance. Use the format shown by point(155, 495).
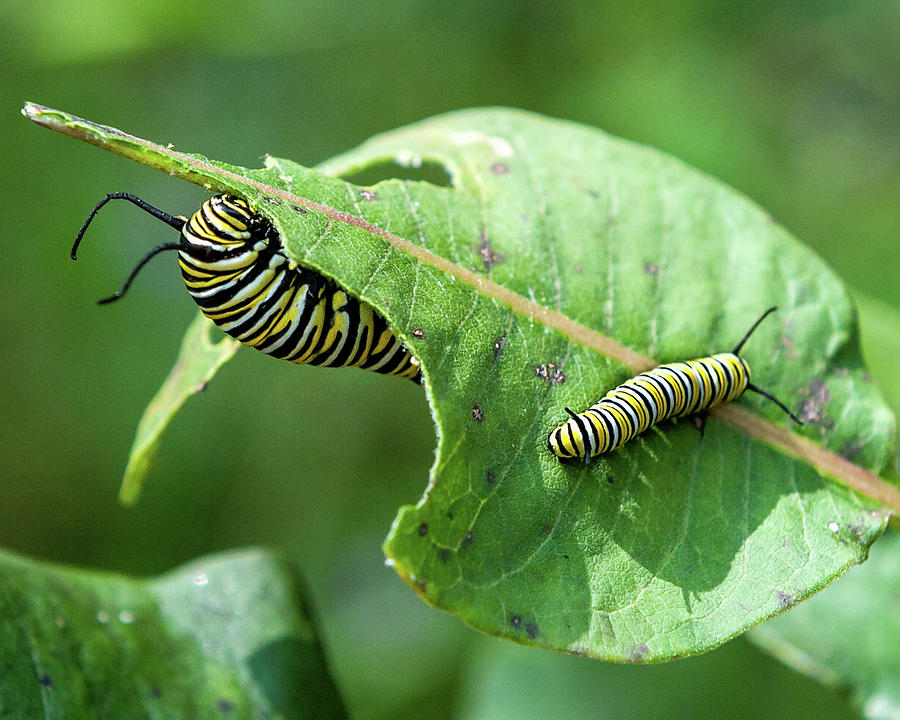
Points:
point(233, 264)
point(667, 391)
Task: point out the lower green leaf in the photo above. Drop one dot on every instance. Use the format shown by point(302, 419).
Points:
point(225, 636)
point(849, 636)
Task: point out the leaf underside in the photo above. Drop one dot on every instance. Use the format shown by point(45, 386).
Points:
point(198, 360)
point(670, 545)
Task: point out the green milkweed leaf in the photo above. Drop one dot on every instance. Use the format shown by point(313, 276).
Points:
point(225, 636)
point(198, 360)
point(849, 637)
point(553, 263)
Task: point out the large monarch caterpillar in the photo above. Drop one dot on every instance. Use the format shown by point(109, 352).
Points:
point(233, 264)
point(666, 391)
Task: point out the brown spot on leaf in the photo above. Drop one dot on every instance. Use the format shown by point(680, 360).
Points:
point(551, 373)
point(517, 622)
point(418, 333)
point(788, 344)
point(488, 256)
point(477, 414)
point(423, 529)
point(224, 706)
point(499, 168)
point(369, 195)
point(813, 407)
point(638, 653)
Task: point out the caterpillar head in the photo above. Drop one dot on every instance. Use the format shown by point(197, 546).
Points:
point(223, 233)
point(225, 226)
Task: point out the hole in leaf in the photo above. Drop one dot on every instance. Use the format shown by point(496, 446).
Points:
point(428, 171)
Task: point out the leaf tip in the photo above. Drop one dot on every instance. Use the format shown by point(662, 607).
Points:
point(128, 493)
point(32, 110)
point(41, 114)
point(133, 480)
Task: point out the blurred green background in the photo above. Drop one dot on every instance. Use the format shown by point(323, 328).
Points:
point(796, 105)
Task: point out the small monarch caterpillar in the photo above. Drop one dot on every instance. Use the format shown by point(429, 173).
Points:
point(666, 391)
point(233, 265)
